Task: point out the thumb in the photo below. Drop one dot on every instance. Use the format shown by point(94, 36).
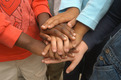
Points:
point(72, 66)
point(72, 23)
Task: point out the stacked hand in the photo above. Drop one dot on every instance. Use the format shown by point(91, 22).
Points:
point(64, 40)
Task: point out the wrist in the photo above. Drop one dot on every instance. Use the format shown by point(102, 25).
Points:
point(73, 11)
point(80, 28)
point(42, 18)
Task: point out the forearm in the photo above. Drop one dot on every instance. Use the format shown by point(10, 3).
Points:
point(30, 44)
point(80, 29)
point(42, 18)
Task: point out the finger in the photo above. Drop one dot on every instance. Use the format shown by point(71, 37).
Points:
point(45, 25)
point(46, 49)
point(66, 45)
point(57, 56)
point(76, 42)
point(59, 46)
point(72, 23)
point(57, 20)
point(48, 22)
point(71, 30)
point(72, 66)
point(51, 54)
point(67, 31)
point(83, 48)
point(55, 32)
point(70, 55)
point(46, 42)
point(53, 44)
point(45, 36)
point(53, 61)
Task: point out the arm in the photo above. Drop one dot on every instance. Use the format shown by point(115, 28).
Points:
point(8, 33)
point(41, 10)
point(10, 36)
point(40, 6)
point(91, 12)
point(30, 44)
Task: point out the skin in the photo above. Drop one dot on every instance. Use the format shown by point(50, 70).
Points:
point(82, 47)
point(30, 44)
point(67, 16)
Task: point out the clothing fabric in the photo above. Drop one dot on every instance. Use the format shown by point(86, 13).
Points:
point(106, 28)
point(54, 71)
point(18, 16)
point(54, 6)
point(91, 11)
point(108, 66)
point(30, 68)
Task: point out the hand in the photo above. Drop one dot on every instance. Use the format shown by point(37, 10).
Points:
point(30, 44)
point(48, 53)
point(66, 16)
point(58, 31)
point(80, 30)
point(75, 61)
point(58, 46)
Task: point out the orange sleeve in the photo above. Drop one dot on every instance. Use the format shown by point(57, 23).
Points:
point(40, 6)
point(8, 33)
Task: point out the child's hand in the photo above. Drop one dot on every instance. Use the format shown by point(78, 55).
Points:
point(80, 30)
point(58, 31)
point(58, 46)
point(30, 44)
point(48, 53)
point(67, 16)
point(75, 61)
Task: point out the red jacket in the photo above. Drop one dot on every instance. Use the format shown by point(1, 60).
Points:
point(18, 16)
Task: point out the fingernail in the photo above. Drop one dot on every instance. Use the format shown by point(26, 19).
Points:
point(67, 50)
point(77, 49)
point(73, 54)
point(64, 38)
point(43, 26)
point(54, 50)
point(49, 26)
point(70, 25)
point(59, 53)
point(67, 72)
point(43, 61)
point(49, 39)
point(74, 34)
point(73, 37)
point(43, 53)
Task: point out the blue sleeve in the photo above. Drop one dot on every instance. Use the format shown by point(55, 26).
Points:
point(65, 4)
point(103, 29)
point(93, 12)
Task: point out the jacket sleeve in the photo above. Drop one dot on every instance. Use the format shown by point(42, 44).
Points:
point(91, 11)
point(8, 33)
point(40, 6)
point(105, 28)
point(65, 4)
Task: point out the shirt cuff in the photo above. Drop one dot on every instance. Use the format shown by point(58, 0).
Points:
point(71, 3)
point(41, 9)
point(87, 21)
point(10, 36)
